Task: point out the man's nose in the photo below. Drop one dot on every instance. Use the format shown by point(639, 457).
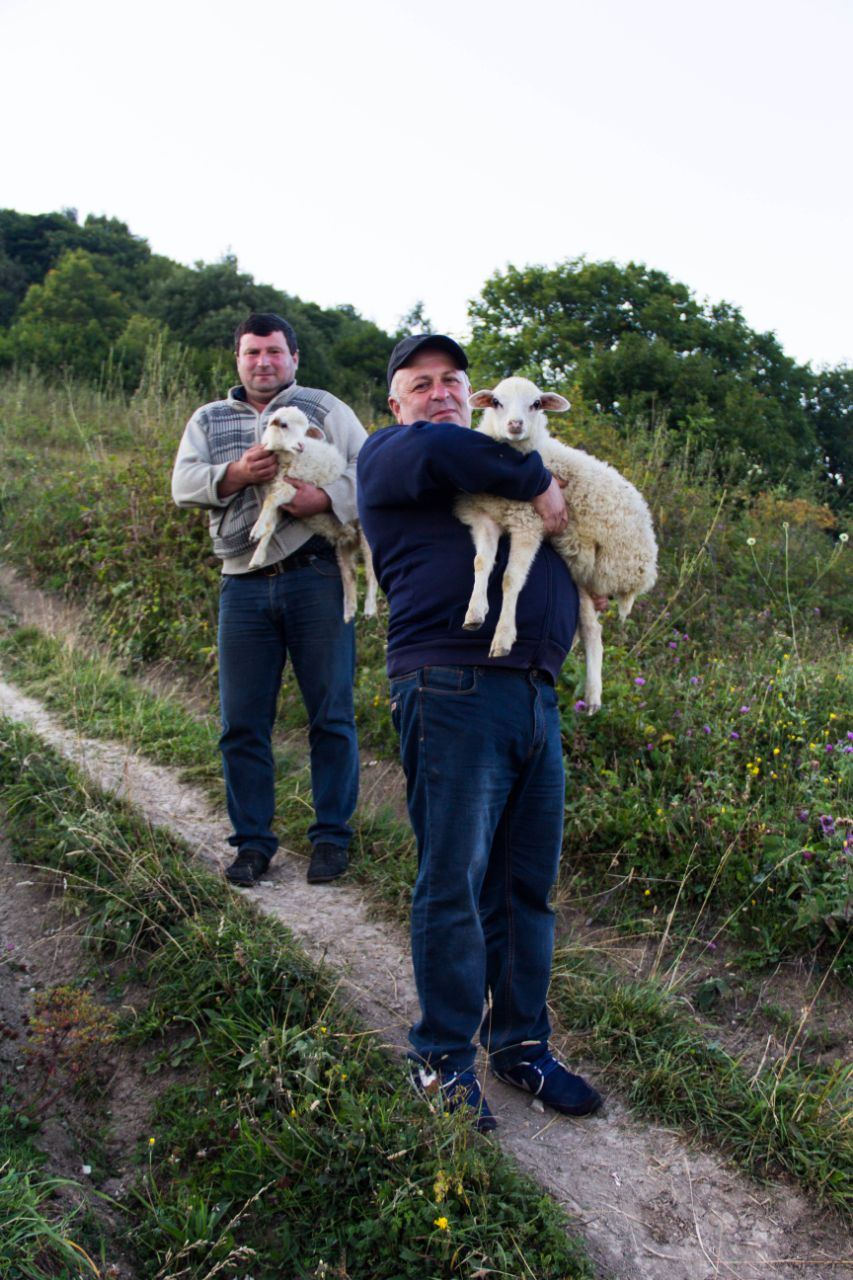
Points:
point(440, 392)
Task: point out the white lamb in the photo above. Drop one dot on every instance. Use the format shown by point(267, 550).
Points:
point(609, 543)
point(304, 453)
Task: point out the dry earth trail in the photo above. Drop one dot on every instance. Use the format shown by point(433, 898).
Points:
point(650, 1206)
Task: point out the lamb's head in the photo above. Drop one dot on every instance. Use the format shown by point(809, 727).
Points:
point(515, 411)
point(287, 431)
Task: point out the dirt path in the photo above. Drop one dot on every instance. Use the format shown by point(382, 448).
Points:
point(649, 1206)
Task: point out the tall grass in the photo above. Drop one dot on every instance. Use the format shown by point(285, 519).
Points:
point(285, 1144)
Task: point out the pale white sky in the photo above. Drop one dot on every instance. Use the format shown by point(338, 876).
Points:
point(384, 151)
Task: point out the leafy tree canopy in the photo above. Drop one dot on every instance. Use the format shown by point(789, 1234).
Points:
point(638, 343)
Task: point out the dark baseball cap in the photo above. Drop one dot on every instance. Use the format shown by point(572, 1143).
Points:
point(407, 347)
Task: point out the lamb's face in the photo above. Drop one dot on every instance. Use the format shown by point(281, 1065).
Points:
point(516, 409)
point(287, 431)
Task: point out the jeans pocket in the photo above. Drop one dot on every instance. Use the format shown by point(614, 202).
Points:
point(441, 680)
point(400, 687)
point(325, 567)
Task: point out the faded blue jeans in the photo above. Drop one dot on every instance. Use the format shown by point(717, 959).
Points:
point(262, 622)
point(481, 750)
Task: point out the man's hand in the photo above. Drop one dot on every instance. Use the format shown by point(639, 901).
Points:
point(308, 501)
point(550, 506)
point(256, 466)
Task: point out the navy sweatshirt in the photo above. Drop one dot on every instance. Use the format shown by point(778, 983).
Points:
point(408, 478)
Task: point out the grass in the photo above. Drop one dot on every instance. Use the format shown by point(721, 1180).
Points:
point(710, 804)
point(644, 1043)
point(283, 1142)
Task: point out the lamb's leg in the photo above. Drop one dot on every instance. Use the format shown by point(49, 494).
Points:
point(261, 532)
point(486, 535)
point(523, 545)
point(590, 629)
point(346, 564)
point(369, 577)
point(265, 525)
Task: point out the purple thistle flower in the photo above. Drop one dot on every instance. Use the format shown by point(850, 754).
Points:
point(807, 855)
point(639, 680)
point(829, 746)
point(744, 710)
point(706, 728)
point(694, 679)
point(803, 815)
point(580, 705)
point(735, 737)
point(673, 644)
point(827, 824)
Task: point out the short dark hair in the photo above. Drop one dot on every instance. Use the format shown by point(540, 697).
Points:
point(262, 324)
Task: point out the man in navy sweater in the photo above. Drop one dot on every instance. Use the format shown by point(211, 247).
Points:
point(479, 737)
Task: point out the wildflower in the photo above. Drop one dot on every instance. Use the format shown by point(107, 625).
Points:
point(673, 644)
point(735, 737)
point(803, 815)
point(151, 1141)
point(744, 710)
point(441, 1223)
point(580, 705)
point(807, 855)
point(638, 680)
point(647, 893)
point(827, 824)
point(750, 542)
point(843, 537)
point(776, 750)
point(706, 728)
point(694, 679)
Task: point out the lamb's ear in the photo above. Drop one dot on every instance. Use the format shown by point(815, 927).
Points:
point(315, 433)
point(552, 403)
point(481, 400)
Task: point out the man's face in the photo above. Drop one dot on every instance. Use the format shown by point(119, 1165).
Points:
point(431, 389)
point(265, 364)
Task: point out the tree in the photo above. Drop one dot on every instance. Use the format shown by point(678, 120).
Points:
point(831, 411)
point(639, 344)
point(69, 322)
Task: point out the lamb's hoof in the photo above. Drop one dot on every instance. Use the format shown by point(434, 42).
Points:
point(499, 649)
point(473, 622)
point(592, 707)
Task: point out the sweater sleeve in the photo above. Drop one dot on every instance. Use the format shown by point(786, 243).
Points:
point(195, 478)
point(343, 428)
point(430, 463)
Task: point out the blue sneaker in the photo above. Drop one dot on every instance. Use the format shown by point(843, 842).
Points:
point(453, 1091)
point(552, 1083)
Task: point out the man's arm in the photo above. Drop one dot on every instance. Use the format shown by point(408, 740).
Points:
point(343, 429)
point(430, 463)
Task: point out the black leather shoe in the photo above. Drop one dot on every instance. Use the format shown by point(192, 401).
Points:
point(247, 868)
point(328, 861)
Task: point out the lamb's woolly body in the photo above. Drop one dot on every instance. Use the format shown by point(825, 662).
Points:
point(303, 453)
point(609, 543)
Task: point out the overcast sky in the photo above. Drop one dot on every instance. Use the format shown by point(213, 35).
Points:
point(378, 152)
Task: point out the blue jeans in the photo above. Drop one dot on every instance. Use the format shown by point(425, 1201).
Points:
point(481, 750)
point(262, 621)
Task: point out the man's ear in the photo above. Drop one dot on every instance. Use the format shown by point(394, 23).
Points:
point(394, 406)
